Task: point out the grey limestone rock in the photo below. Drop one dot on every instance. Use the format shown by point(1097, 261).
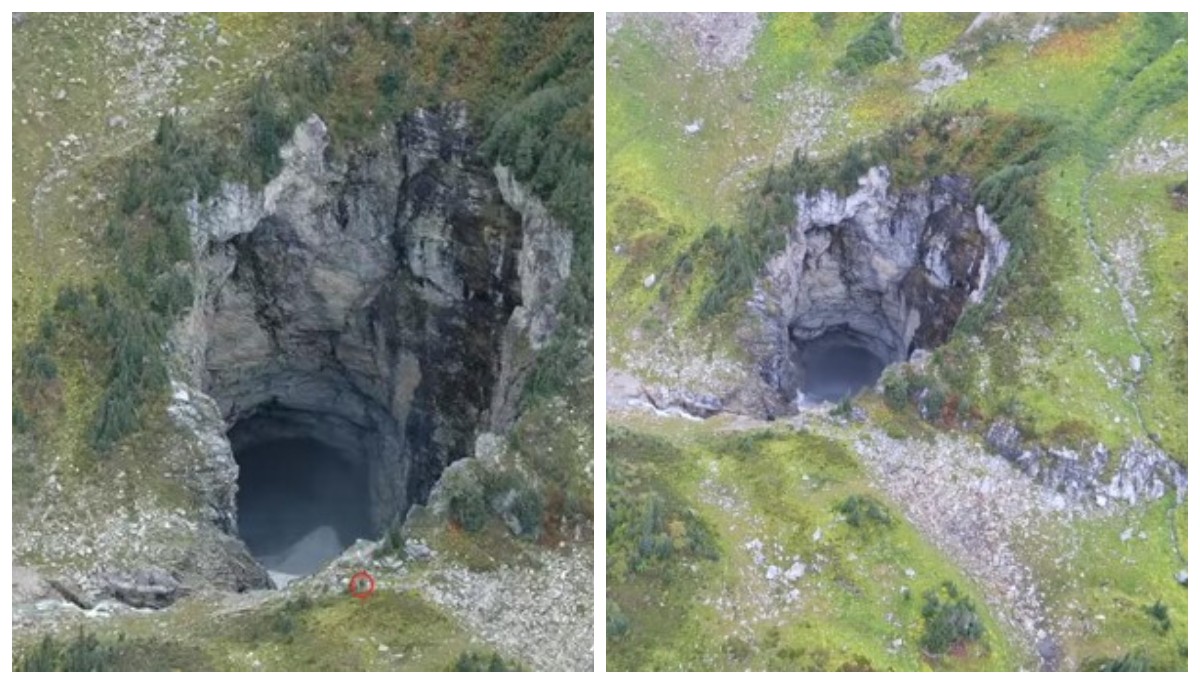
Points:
point(892, 270)
point(397, 293)
point(145, 588)
point(1142, 472)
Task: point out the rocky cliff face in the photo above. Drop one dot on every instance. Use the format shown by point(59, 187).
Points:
point(1092, 475)
point(881, 271)
point(387, 305)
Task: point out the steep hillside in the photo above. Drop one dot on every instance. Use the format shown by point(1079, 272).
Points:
point(994, 208)
point(285, 282)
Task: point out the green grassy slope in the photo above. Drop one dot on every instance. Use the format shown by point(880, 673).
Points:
point(710, 604)
point(337, 634)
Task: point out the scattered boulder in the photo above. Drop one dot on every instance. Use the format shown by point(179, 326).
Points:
point(146, 588)
point(489, 447)
point(941, 71)
point(1050, 653)
point(417, 550)
point(1004, 438)
point(699, 405)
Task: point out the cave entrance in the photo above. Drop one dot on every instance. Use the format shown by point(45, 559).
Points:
point(835, 365)
point(300, 503)
point(306, 486)
point(867, 278)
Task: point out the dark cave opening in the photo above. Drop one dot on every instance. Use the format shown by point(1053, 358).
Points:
point(305, 488)
point(291, 489)
point(835, 365)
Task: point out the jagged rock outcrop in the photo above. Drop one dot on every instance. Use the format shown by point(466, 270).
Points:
point(543, 266)
point(387, 302)
point(1142, 472)
point(880, 270)
point(145, 588)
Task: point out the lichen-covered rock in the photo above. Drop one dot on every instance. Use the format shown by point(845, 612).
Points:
point(941, 71)
point(145, 588)
point(1142, 471)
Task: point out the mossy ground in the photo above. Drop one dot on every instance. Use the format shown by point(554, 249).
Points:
point(860, 609)
point(1119, 567)
point(335, 633)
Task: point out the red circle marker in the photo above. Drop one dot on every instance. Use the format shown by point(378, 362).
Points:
point(362, 585)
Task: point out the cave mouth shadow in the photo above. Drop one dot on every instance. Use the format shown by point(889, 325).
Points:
point(834, 366)
point(301, 500)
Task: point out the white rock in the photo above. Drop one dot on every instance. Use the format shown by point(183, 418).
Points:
point(650, 280)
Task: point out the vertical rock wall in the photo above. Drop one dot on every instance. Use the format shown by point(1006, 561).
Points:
point(890, 271)
point(389, 303)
